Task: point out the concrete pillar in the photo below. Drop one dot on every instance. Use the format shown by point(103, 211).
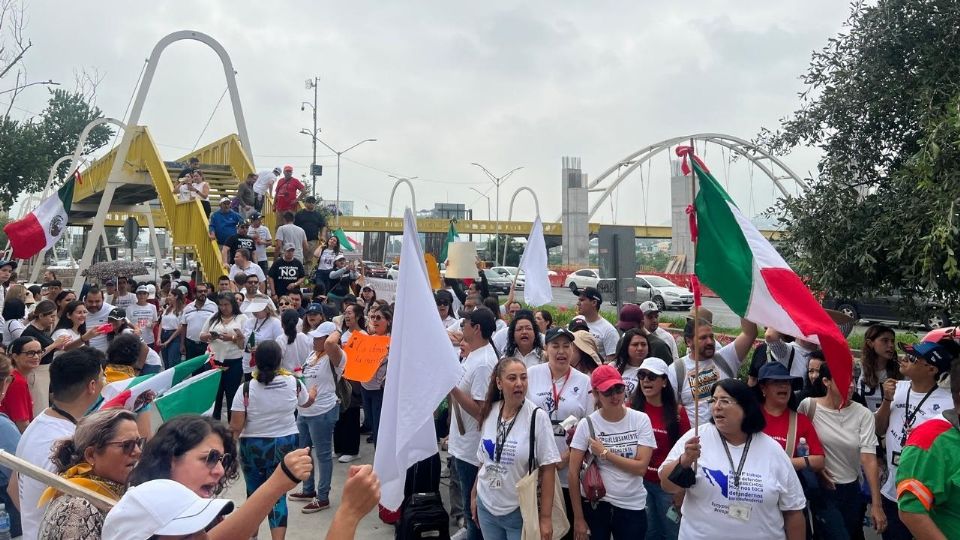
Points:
point(576, 234)
point(680, 199)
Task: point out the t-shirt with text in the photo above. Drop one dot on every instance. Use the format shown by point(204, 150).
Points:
point(709, 375)
point(561, 398)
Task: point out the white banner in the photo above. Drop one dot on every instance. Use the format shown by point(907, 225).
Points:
point(386, 289)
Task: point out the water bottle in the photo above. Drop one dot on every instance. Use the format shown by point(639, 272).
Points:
point(803, 449)
point(4, 523)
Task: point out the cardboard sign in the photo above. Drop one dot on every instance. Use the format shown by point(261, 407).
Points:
point(386, 289)
point(433, 272)
point(364, 355)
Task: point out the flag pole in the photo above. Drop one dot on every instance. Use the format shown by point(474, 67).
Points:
point(696, 308)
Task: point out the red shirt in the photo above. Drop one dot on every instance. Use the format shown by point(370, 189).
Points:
point(664, 444)
point(286, 196)
point(17, 403)
point(777, 427)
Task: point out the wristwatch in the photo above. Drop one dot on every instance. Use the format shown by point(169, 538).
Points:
point(603, 455)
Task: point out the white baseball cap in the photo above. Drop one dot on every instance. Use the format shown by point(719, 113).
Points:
point(649, 307)
point(255, 305)
point(323, 330)
point(161, 507)
point(655, 365)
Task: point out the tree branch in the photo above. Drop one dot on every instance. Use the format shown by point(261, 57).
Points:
point(16, 59)
point(21, 87)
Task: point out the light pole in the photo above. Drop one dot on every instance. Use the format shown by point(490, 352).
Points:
point(497, 181)
point(485, 196)
point(340, 153)
point(313, 83)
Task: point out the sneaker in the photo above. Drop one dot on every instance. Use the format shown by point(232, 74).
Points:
point(315, 505)
point(347, 458)
point(302, 497)
point(459, 535)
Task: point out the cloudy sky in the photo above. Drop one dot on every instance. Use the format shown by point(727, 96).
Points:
point(443, 84)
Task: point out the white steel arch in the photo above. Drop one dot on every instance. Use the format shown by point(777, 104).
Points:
point(413, 202)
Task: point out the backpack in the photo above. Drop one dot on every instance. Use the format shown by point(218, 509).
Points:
point(423, 514)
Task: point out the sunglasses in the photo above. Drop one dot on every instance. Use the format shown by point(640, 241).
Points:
point(129, 445)
point(215, 456)
point(253, 282)
point(443, 304)
point(647, 376)
point(614, 390)
point(284, 303)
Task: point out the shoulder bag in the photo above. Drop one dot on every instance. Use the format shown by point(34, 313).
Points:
point(527, 492)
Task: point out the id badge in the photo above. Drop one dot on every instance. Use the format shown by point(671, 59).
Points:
point(673, 515)
point(895, 458)
point(496, 482)
point(740, 511)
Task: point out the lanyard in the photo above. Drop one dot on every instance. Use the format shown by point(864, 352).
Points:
point(911, 417)
point(743, 458)
point(503, 430)
point(64, 414)
point(556, 394)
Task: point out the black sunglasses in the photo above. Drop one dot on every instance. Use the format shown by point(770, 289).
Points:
point(615, 389)
point(129, 445)
point(647, 376)
point(215, 456)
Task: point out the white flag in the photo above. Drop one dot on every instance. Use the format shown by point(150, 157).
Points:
point(536, 286)
point(422, 368)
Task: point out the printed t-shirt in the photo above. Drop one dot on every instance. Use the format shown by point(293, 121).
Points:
point(35, 446)
point(268, 329)
point(664, 444)
point(94, 320)
point(768, 486)
point(284, 273)
point(844, 435)
point(560, 399)
point(624, 490)
point(497, 480)
point(477, 368)
point(630, 380)
point(928, 479)
point(240, 241)
point(872, 395)
point(143, 317)
point(270, 407)
point(709, 375)
point(778, 427)
point(195, 317)
point(606, 334)
point(897, 431)
point(122, 301)
point(320, 375)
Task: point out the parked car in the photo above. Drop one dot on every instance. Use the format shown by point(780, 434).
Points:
point(509, 272)
point(891, 310)
point(587, 277)
point(374, 269)
point(663, 292)
point(498, 283)
point(393, 272)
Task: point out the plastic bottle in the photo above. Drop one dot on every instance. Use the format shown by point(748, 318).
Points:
point(4, 523)
point(803, 449)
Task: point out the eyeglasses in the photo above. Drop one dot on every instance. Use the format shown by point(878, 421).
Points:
point(215, 456)
point(284, 303)
point(32, 353)
point(647, 376)
point(443, 304)
point(723, 401)
point(614, 390)
point(911, 359)
point(376, 317)
point(129, 445)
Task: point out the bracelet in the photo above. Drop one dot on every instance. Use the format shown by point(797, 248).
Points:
point(890, 400)
point(288, 472)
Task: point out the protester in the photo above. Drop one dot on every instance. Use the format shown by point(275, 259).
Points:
point(261, 239)
point(14, 313)
point(240, 240)
point(103, 450)
point(367, 297)
point(346, 434)
point(143, 315)
point(524, 340)
point(264, 423)
point(312, 316)
point(42, 321)
point(588, 305)
point(261, 325)
point(878, 359)
point(246, 198)
point(744, 485)
point(76, 380)
point(632, 350)
point(341, 278)
point(17, 403)
point(544, 320)
point(123, 297)
point(242, 263)
point(195, 316)
point(847, 431)
point(813, 375)
point(444, 300)
point(289, 189)
point(651, 323)
point(313, 225)
point(507, 420)
point(715, 365)
point(586, 355)
point(72, 328)
point(224, 332)
point(9, 438)
point(120, 325)
point(126, 357)
point(286, 272)
point(171, 334)
point(621, 441)
point(289, 233)
point(381, 324)
point(163, 509)
point(97, 312)
point(654, 396)
point(264, 186)
point(64, 298)
point(316, 421)
point(907, 404)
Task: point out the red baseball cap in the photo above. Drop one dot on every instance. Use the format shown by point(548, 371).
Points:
point(288, 168)
point(605, 377)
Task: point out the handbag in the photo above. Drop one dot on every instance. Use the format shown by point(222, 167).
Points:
point(808, 478)
point(590, 479)
point(527, 489)
point(343, 388)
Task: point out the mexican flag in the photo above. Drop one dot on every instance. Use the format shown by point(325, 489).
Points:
point(748, 274)
point(452, 236)
point(125, 393)
point(195, 395)
point(346, 243)
point(41, 228)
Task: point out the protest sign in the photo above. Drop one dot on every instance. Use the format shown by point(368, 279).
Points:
point(364, 354)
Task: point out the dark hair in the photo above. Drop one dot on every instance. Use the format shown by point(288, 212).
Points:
point(753, 420)
point(522, 315)
point(223, 278)
point(809, 388)
point(668, 401)
point(493, 305)
point(176, 437)
point(17, 345)
point(124, 350)
point(494, 394)
point(63, 294)
point(14, 309)
point(288, 216)
point(269, 357)
point(622, 359)
point(792, 402)
point(243, 251)
point(234, 306)
point(94, 430)
point(295, 292)
point(387, 314)
point(72, 371)
point(333, 237)
point(546, 315)
point(818, 389)
point(869, 358)
point(43, 307)
point(357, 310)
point(53, 283)
point(65, 321)
point(691, 324)
point(92, 290)
point(239, 279)
point(288, 321)
point(443, 295)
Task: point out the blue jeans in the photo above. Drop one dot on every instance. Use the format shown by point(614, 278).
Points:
point(607, 519)
point(372, 403)
point(506, 527)
point(659, 526)
point(171, 353)
point(317, 431)
point(467, 473)
point(259, 457)
point(852, 508)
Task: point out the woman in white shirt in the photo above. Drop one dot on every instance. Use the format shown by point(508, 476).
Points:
point(621, 441)
point(744, 485)
point(14, 311)
point(73, 325)
point(506, 445)
point(296, 346)
point(261, 325)
point(315, 422)
point(524, 339)
point(263, 421)
point(224, 332)
point(170, 328)
point(631, 352)
point(202, 190)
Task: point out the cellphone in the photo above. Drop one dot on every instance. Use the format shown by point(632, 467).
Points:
point(215, 335)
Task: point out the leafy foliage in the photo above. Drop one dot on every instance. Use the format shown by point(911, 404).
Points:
point(882, 105)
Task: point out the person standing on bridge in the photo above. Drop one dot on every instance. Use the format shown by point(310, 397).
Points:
point(289, 190)
point(290, 233)
point(607, 336)
point(263, 186)
point(223, 223)
point(314, 226)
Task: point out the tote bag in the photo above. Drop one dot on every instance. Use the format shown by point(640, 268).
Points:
point(527, 490)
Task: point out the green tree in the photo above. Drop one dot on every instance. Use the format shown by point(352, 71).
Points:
point(881, 103)
point(514, 250)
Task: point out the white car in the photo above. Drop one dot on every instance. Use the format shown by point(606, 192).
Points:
point(586, 277)
point(510, 272)
point(393, 272)
point(663, 292)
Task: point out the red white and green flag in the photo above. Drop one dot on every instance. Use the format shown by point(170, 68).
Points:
point(748, 274)
point(195, 395)
point(127, 392)
point(346, 243)
point(41, 228)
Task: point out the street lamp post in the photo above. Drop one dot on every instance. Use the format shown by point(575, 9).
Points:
point(497, 181)
point(338, 153)
point(485, 196)
point(313, 83)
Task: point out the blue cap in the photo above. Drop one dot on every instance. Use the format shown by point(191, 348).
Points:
point(935, 354)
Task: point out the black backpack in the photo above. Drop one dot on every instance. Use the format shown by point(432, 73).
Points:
point(423, 514)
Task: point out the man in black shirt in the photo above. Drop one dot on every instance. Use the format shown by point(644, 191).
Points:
point(286, 271)
point(238, 241)
point(313, 224)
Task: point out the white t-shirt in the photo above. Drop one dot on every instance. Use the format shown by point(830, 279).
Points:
point(320, 375)
point(12, 330)
point(70, 332)
point(153, 359)
point(261, 233)
point(873, 396)
point(932, 407)
point(782, 352)
point(265, 179)
point(844, 434)
point(709, 375)
point(768, 486)
point(668, 338)
point(123, 300)
point(294, 353)
point(252, 269)
point(170, 321)
point(514, 456)
point(144, 317)
point(195, 317)
point(225, 349)
point(268, 329)
point(477, 369)
point(326, 259)
point(96, 319)
point(630, 379)
point(624, 490)
point(270, 408)
point(606, 334)
point(499, 339)
point(290, 233)
point(573, 393)
point(34, 446)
